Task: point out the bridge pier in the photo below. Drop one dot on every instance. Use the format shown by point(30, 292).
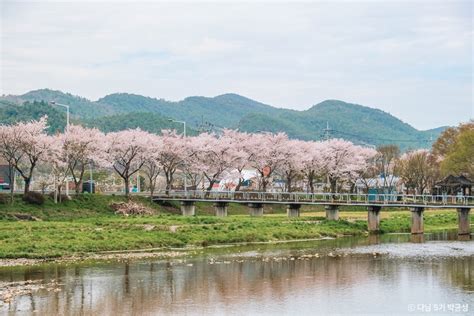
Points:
point(221, 208)
point(463, 221)
point(293, 210)
point(373, 219)
point(417, 220)
point(256, 209)
point(332, 212)
point(188, 208)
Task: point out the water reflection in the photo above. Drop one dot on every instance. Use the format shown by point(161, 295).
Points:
point(417, 238)
point(249, 284)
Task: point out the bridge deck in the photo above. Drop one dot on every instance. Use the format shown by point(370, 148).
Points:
point(393, 200)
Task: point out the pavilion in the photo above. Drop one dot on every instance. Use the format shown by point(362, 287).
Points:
point(452, 185)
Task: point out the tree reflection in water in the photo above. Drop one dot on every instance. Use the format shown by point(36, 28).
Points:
point(345, 284)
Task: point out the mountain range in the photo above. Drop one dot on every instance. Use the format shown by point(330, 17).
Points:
point(330, 118)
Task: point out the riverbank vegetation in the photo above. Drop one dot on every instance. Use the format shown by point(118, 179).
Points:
point(88, 224)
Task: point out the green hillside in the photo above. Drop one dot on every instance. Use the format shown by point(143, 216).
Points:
point(150, 122)
point(360, 124)
point(11, 113)
point(224, 110)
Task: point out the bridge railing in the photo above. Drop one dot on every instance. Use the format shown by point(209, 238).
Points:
point(302, 197)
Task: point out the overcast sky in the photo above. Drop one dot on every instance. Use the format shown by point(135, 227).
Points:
point(413, 59)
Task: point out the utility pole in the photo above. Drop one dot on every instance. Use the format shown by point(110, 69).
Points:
point(327, 131)
point(66, 131)
point(327, 136)
point(184, 136)
point(91, 188)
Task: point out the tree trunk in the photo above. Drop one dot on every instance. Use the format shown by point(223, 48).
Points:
point(333, 183)
point(79, 179)
point(169, 181)
point(288, 183)
point(11, 176)
point(264, 185)
point(152, 191)
point(127, 188)
point(211, 184)
point(78, 186)
point(239, 184)
point(27, 184)
point(55, 193)
point(152, 186)
point(59, 193)
point(352, 188)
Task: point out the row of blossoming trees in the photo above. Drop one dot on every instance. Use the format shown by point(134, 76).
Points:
point(205, 158)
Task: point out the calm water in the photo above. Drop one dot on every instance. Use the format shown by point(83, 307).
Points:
point(403, 277)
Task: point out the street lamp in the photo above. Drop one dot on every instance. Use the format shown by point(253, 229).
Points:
point(67, 130)
point(182, 122)
point(67, 112)
point(184, 134)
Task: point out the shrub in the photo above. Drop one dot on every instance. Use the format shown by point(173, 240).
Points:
point(33, 198)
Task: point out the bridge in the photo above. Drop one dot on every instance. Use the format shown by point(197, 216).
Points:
point(331, 202)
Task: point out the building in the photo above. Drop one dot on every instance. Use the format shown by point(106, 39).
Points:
point(452, 185)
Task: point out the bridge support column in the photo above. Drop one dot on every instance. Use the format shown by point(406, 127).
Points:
point(293, 210)
point(188, 208)
point(373, 219)
point(256, 209)
point(463, 221)
point(332, 212)
point(417, 220)
point(221, 208)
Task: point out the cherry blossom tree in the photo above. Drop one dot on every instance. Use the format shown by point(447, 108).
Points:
point(57, 157)
point(172, 155)
point(292, 163)
point(24, 145)
point(343, 161)
point(151, 165)
point(267, 155)
point(312, 162)
point(191, 166)
point(362, 164)
point(10, 151)
point(213, 155)
point(206, 156)
point(126, 152)
point(242, 152)
point(82, 146)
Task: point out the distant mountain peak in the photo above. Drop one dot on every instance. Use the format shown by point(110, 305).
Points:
point(334, 102)
point(232, 96)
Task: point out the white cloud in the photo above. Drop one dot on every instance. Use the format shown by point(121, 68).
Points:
point(413, 59)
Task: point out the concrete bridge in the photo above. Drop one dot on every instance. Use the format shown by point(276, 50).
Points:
point(331, 201)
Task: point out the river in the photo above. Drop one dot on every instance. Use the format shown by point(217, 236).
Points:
point(389, 274)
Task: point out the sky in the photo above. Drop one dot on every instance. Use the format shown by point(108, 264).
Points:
point(413, 59)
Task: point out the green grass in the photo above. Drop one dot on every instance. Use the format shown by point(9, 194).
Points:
point(88, 224)
point(59, 238)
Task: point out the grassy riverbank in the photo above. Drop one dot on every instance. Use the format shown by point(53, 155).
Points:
point(88, 224)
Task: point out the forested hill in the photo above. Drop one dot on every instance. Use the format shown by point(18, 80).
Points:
point(360, 124)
